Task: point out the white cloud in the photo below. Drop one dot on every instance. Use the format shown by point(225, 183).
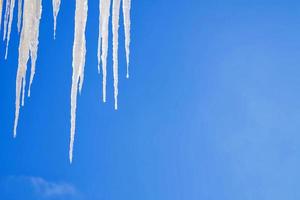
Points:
point(51, 189)
point(41, 188)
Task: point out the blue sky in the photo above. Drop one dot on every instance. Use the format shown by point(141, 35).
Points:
point(211, 111)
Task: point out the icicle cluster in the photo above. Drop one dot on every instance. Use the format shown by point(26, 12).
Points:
point(79, 51)
point(28, 46)
point(104, 10)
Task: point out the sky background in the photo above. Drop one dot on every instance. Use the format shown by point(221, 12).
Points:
point(211, 110)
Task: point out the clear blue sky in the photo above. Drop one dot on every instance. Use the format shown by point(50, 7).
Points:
point(211, 111)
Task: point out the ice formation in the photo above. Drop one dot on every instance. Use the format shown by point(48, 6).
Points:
point(8, 19)
point(1, 7)
point(27, 49)
point(115, 30)
point(56, 6)
point(79, 50)
point(126, 15)
point(19, 14)
point(104, 13)
point(29, 15)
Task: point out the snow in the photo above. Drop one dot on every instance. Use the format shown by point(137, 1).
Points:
point(27, 49)
point(79, 51)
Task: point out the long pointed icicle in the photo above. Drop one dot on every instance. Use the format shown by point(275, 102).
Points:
point(126, 14)
point(56, 6)
point(1, 7)
point(104, 9)
point(10, 15)
point(115, 29)
point(19, 15)
point(79, 51)
point(27, 48)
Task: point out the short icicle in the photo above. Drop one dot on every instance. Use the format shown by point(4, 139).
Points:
point(56, 7)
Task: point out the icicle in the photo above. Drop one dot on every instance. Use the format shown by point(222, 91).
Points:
point(99, 34)
point(104, 9)
point(126, 14)
point(6, 16)
point(19, 14)
point(115, 29)
point(10, 15)
point(56, 6)
point(79, 50)
point(1, 7)
point(27, 48)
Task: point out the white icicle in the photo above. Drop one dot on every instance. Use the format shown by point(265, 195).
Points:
point(19, 15)
point(1, 7)
point(79, 51)
point(126, 14)
point(10, 15)
point(104, 9)
point(99, 34)
point(27, 48)
point(115, 29)
point(6, 17)
point(56, 6)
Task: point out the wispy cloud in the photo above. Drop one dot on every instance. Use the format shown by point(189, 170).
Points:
point(50, 189)
point(41, 188)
